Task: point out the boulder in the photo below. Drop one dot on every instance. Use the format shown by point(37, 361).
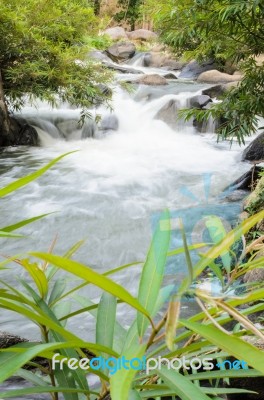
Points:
point(215, 76)
point(152, 80)
point(199, 101)
point(170, 76)
point(255, 151)
point(121, 51)
point(21, 134)
point(194, 69)
point(160, 60)
point(158, 47)
point(109, 122)
point(123, 70)
point(8, 340)
point(247, 181)
point(168, 113)
point(116, 33)
point(99, 56)
point(142, 34)
point(214, 91)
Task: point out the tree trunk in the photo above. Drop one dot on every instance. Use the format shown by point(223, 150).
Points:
point(4, 117)
point(97, 6)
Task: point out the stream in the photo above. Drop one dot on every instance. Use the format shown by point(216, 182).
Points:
point(112, 189)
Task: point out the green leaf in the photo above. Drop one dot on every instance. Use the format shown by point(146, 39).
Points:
point(221, 247)
point(36, 390)
point(153, 270)
point(10, 235)
point(105, 321)
point(93, 277)
point(217, 232)
point(19, 224)
point(17, 184)
point(180, 385)
point(227, 373)
point(231, 344)
point(17, 356)
point(37, 275)
point(172, 321)
point(121, 381)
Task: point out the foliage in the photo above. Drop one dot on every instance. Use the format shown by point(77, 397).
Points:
point(42, 53)
point(223, 30)
point(130, 12)
point(47, 300)
point(98, 42)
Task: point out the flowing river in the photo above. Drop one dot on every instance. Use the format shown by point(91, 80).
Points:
point(109, 191)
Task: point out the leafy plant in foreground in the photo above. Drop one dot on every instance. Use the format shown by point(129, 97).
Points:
point(49, 302)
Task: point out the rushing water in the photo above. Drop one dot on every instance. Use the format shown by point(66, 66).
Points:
point(108, 191)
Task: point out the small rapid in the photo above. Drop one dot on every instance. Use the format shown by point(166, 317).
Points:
point(125, 170)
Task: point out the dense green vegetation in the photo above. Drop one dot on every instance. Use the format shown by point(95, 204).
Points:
point(130, 12)
point(225, 30)
point(43, 55)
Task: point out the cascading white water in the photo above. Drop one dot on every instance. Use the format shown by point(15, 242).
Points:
point(108, 191)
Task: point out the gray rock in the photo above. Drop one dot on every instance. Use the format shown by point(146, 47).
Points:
point(170, 76)
point(142, 34)
point(99, 56)
point(152, 80)
point(214, 91)
point(194, 69)
point(161, 60)
point(174, 65)
point(255, 151)
point(247, 181)
point(199, 101)
point(168, 113)
point(236, 195)
point(121, 51)
point(123, 70)
point(8, 340)
point(116, 33)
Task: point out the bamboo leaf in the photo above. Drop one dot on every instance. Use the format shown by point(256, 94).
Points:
point(231, 344)
point(105, 321)
point(172, 321)
point(39, 389)
point(15, 357)
point(37, 275)
point(10, 235)
point(93, 277)
point(221, 247)
point(121, 381)
point(18, 225)
point(17, 184)
point(153, 270)
point(180, 385)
